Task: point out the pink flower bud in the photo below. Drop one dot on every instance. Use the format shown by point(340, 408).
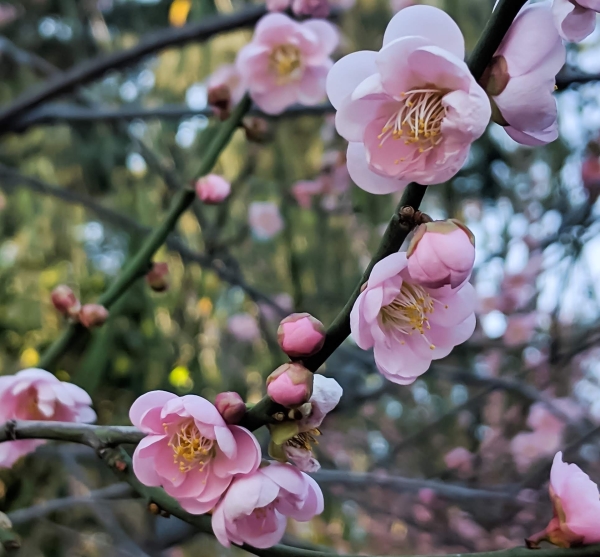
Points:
point(290, 385)
point(441, 252)
point(157, 277)
point(65, 301)
point(300, 334)
point(231, 406)
point(93, 315)
point(311, 8)
point(212, 189)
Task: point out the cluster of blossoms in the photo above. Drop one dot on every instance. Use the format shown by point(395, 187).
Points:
point(89, 315)
point(35, 394)
point(417, 305)
point(194, 450)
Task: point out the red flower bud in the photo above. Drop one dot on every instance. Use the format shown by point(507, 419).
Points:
point(65, 301)
point(231, 406)
point(93, 315)
point(157, 277)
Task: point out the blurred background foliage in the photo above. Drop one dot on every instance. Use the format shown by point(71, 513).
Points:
point(531, 210)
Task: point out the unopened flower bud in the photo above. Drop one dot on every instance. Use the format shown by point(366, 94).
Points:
point(441, 252)
point(257, 129)
point(212, 189)
point(65, 301)
point(231, 406)
point(290, 385)
point(157, 277)
point(219, 98)
point(93, 315)
point(300, 335)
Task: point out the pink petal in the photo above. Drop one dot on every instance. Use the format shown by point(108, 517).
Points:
point(248, 454)
point(194, 506)
point(359, 110)
point(35, 374)
point(533, 138)
point(360, 331)
point(429, 22)
point(219, 526)
point(226, 441)
point(243, 495)
point(311, 89)
point(271, 28)
point(365, 178)
point(286, 477)
point(574, 22)
point(532, 41)
point(387, 268)
point(393, 65)
point(260, 538)
point(347, 73)
point(454, 307)
point(77, 393)
point(277, 99)
point(144, 467)
point(202, 410)
point(328, 38)
point(147, 401)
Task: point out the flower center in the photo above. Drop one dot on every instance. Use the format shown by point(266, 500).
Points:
point(408, 312)
point(263, 512)
point(285, 61)
point(418, 121)
point(304, 440)
point(190, 449)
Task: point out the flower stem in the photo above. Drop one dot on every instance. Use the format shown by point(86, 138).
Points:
point(140, 263)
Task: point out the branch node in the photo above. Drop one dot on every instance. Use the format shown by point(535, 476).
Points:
point(11, 429)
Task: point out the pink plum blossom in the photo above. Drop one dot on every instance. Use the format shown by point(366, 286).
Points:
point(441, 253)
point(310, 8)
point(575, 19)
point(304, 190)
point(576, 502)
point(300, 335)
point(521, 76)
point(461, 460)
point(243, 327)
point(287, 61)
point(294, 444)
point(35, 394)
point(528, 447)
point(409, 324)
point(411, 110)
point(212, 189)
point(290, 385)
point(264, 219)
point(520, 328)
point(254, 510)
point(190, 450)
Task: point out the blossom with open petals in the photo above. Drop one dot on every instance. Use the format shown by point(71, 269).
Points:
point(256, 507)
point(576, 502)
point(287, 62)
point(35, 394)
point(292, 441)
point(411, 110)
point(264, 219)
point(521, 77)
point(407, 324)
point(190, 450)
point(575, 19)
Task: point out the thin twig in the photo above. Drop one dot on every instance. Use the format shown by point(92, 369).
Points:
point(90, 70)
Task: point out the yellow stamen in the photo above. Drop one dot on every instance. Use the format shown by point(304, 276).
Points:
point(190, 449)
point(285, 62)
